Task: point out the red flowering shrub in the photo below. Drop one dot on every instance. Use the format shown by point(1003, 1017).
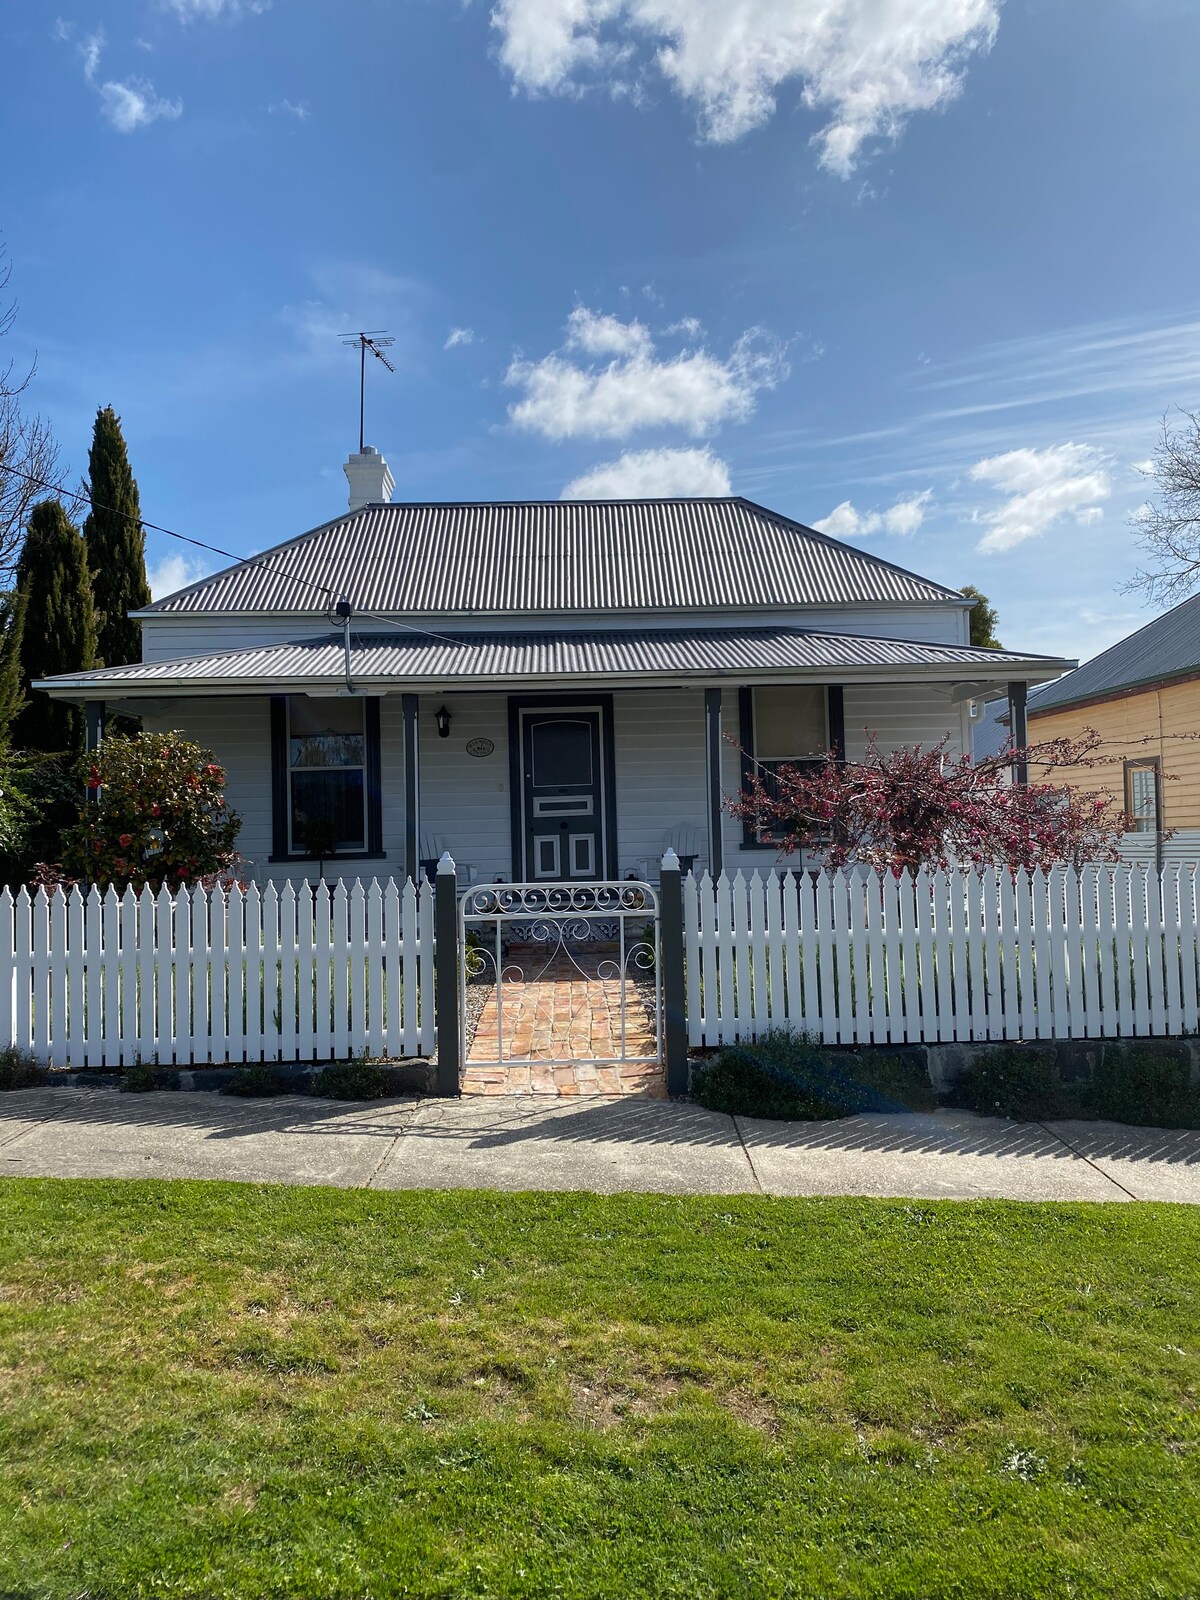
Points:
point(156, 813)
point(920, 806)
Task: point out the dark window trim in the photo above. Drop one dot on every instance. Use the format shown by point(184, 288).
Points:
point(374, 780)
point(835, 725)
point(516, 775)
point(280, 799)
point(1128, 767)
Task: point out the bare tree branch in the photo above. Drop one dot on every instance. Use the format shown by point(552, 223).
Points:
point(1168, 529)
point(26, 442)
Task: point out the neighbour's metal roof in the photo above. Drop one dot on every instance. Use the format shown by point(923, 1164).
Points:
point(485, 659)
point(556, 556)
point(1164, 648)
point(989, 731)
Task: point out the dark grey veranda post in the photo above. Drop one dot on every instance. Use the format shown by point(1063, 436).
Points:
point(445, 985)
point(1018, 728)
point(674, 996)
point(94, 716)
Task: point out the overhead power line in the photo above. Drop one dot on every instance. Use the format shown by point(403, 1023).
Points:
point(200, 544)
point(335, 596)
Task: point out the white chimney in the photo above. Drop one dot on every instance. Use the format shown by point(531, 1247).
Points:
point(369, 479)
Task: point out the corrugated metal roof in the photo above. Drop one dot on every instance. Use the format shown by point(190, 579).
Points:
point(555, 556)
point(1162, 649)
point(487, 658)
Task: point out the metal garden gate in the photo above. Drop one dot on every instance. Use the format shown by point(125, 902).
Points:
point(556, 974)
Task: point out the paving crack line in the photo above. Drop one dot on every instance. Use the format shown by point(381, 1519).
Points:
point(1116, 1182)
point(369, 1181)
point(737, 1128)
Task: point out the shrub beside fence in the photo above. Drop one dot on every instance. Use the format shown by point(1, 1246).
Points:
point(290, 974)
point(859, 957)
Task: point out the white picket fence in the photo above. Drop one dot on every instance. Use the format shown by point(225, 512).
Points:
point(856, 957)
point(225, 976)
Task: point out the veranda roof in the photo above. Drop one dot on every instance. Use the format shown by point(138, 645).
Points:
point(415, 659)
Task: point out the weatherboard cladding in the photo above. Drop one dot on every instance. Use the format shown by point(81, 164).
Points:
point(556, 556)
point(490, 656)
point(1164, 648)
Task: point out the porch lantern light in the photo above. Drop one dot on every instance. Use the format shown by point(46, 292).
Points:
point(442, 717)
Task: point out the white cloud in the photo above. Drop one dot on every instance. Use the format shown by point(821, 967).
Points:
point(694, 390)
point(174, 572)
point(867, 65)
point(134, 104)
point(91, 50)
point(641, 474)
point(290, 108)
point(598, 334)
point(128, 105)
point(1144, 467)
point(904, 517)
point(213, 10)
point(1040, 486)
point(458, 336)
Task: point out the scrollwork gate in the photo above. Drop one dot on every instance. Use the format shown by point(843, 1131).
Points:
point(556, 974)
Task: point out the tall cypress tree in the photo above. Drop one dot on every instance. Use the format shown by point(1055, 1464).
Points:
point(12, 690)
point(58, 632)
point(116, 545)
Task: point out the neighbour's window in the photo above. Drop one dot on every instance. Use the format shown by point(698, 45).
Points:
point(327, 775)
point(1141, 795)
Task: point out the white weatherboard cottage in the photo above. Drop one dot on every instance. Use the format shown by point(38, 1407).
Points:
point(548, 690)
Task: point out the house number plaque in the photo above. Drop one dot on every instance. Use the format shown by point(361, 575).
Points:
point(480, 747)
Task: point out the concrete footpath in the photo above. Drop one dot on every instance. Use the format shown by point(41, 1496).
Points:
point(603, 1145)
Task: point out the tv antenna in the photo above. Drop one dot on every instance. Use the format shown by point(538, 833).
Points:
point(376, 341)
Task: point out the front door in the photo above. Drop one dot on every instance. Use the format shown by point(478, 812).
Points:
point(563, 794)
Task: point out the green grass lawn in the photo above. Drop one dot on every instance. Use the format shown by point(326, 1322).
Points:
point(221, 1390)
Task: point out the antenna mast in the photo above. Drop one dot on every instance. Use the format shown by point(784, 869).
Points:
point(376, 341)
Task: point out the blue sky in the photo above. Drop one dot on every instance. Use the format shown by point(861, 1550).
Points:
point(922, 273)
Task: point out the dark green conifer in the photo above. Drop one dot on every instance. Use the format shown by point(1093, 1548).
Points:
point(116, 545)
point(12, 690)
point(59, 628)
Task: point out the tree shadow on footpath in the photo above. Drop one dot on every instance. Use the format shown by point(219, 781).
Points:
point(963, 1133)
point(219, 1116)
point(501, 1121)
point(943, 1133)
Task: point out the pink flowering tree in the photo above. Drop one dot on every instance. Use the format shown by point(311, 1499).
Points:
point(155, 814)
point(921, 806)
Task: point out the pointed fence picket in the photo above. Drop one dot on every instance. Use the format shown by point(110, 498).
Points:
point(211, 976)
point(858, 957)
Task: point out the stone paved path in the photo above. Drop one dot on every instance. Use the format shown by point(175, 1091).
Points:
point(558, 1031)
